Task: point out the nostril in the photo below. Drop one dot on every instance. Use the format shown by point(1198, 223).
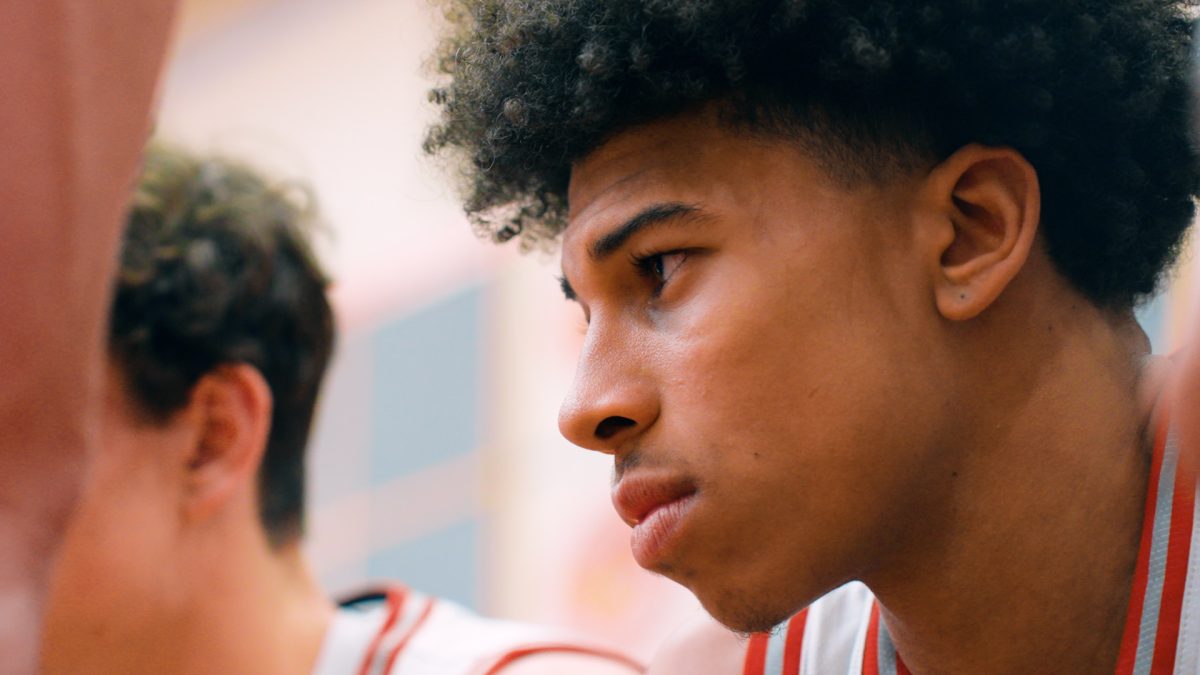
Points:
point(611, 426)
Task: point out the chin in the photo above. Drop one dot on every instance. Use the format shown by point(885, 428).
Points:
point(745, 613)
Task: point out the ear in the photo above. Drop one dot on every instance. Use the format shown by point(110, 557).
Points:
point(231, 407)
point(986, 206)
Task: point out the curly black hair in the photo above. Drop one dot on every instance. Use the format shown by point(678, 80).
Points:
point(216, 268)
point(1094, 93)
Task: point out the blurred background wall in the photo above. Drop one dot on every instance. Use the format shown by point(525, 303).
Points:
point(437, 459)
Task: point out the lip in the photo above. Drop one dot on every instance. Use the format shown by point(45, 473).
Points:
point(655, 507)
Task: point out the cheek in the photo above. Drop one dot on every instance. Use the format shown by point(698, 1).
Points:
point(787, 379)
point(759, 356)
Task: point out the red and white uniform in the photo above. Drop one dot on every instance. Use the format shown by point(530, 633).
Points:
point(398, 631)
point(842, 633)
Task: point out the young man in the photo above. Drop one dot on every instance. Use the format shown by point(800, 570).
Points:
point(185, 556)
point(78, 81)
point(859, 280)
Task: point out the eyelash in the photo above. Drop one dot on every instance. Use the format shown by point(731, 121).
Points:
point(646, 264)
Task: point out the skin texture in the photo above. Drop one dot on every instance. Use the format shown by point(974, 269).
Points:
point(876, 382)
point(79, 79)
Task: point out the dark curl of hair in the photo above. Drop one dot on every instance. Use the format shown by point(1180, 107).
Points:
point(1092, 92)
point(216, 269)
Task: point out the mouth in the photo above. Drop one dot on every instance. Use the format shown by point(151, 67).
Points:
point(655, 506)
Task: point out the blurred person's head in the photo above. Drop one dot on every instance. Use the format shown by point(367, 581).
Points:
point(828, 251)
point(217, 271)
point(219, 339)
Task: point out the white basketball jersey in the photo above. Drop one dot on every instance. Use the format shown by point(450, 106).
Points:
point(842, 634)
point(400, 632)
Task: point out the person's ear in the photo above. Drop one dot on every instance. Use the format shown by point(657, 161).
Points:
point(985, 204)
point(231, 406)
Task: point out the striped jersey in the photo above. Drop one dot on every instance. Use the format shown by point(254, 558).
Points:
point(842, 632)
point(397, 631)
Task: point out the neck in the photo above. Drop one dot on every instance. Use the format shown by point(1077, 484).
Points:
point(263, 613)
point(1028, 557)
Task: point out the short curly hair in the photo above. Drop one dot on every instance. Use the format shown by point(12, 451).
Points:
point(1094, 93)
point(215, 269)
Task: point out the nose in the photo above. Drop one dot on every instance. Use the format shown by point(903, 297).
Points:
point(611, 401)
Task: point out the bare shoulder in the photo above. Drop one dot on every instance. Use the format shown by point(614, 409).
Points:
point(700, 646)
point(557, 663)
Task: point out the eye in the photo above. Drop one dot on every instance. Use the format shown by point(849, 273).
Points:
point(659, 267)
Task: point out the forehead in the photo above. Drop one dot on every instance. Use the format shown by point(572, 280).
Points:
point(692, 159)
point(659, 154)
point(658, 148)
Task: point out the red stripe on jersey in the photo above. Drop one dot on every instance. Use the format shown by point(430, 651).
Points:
point(395, 601)
point(1175, 576)
point(793, 646)
point(1141, 573)
point(561, 648)
point(391, 660)
point(871, 649)
point(756, 654)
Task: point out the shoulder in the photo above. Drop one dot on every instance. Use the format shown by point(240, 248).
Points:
point(700, 646)
point(402, 632)
point(454, 639)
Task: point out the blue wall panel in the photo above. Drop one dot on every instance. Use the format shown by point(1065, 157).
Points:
point(426, 387)
point(1153, 317)
point(444, 563)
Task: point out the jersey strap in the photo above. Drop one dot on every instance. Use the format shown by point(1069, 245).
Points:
point(777, 652)
point(879, 654)
point(406, 613)
point(1150, 641)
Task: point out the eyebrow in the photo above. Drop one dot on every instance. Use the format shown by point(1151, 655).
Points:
point(654, 214)
point(604, 247)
